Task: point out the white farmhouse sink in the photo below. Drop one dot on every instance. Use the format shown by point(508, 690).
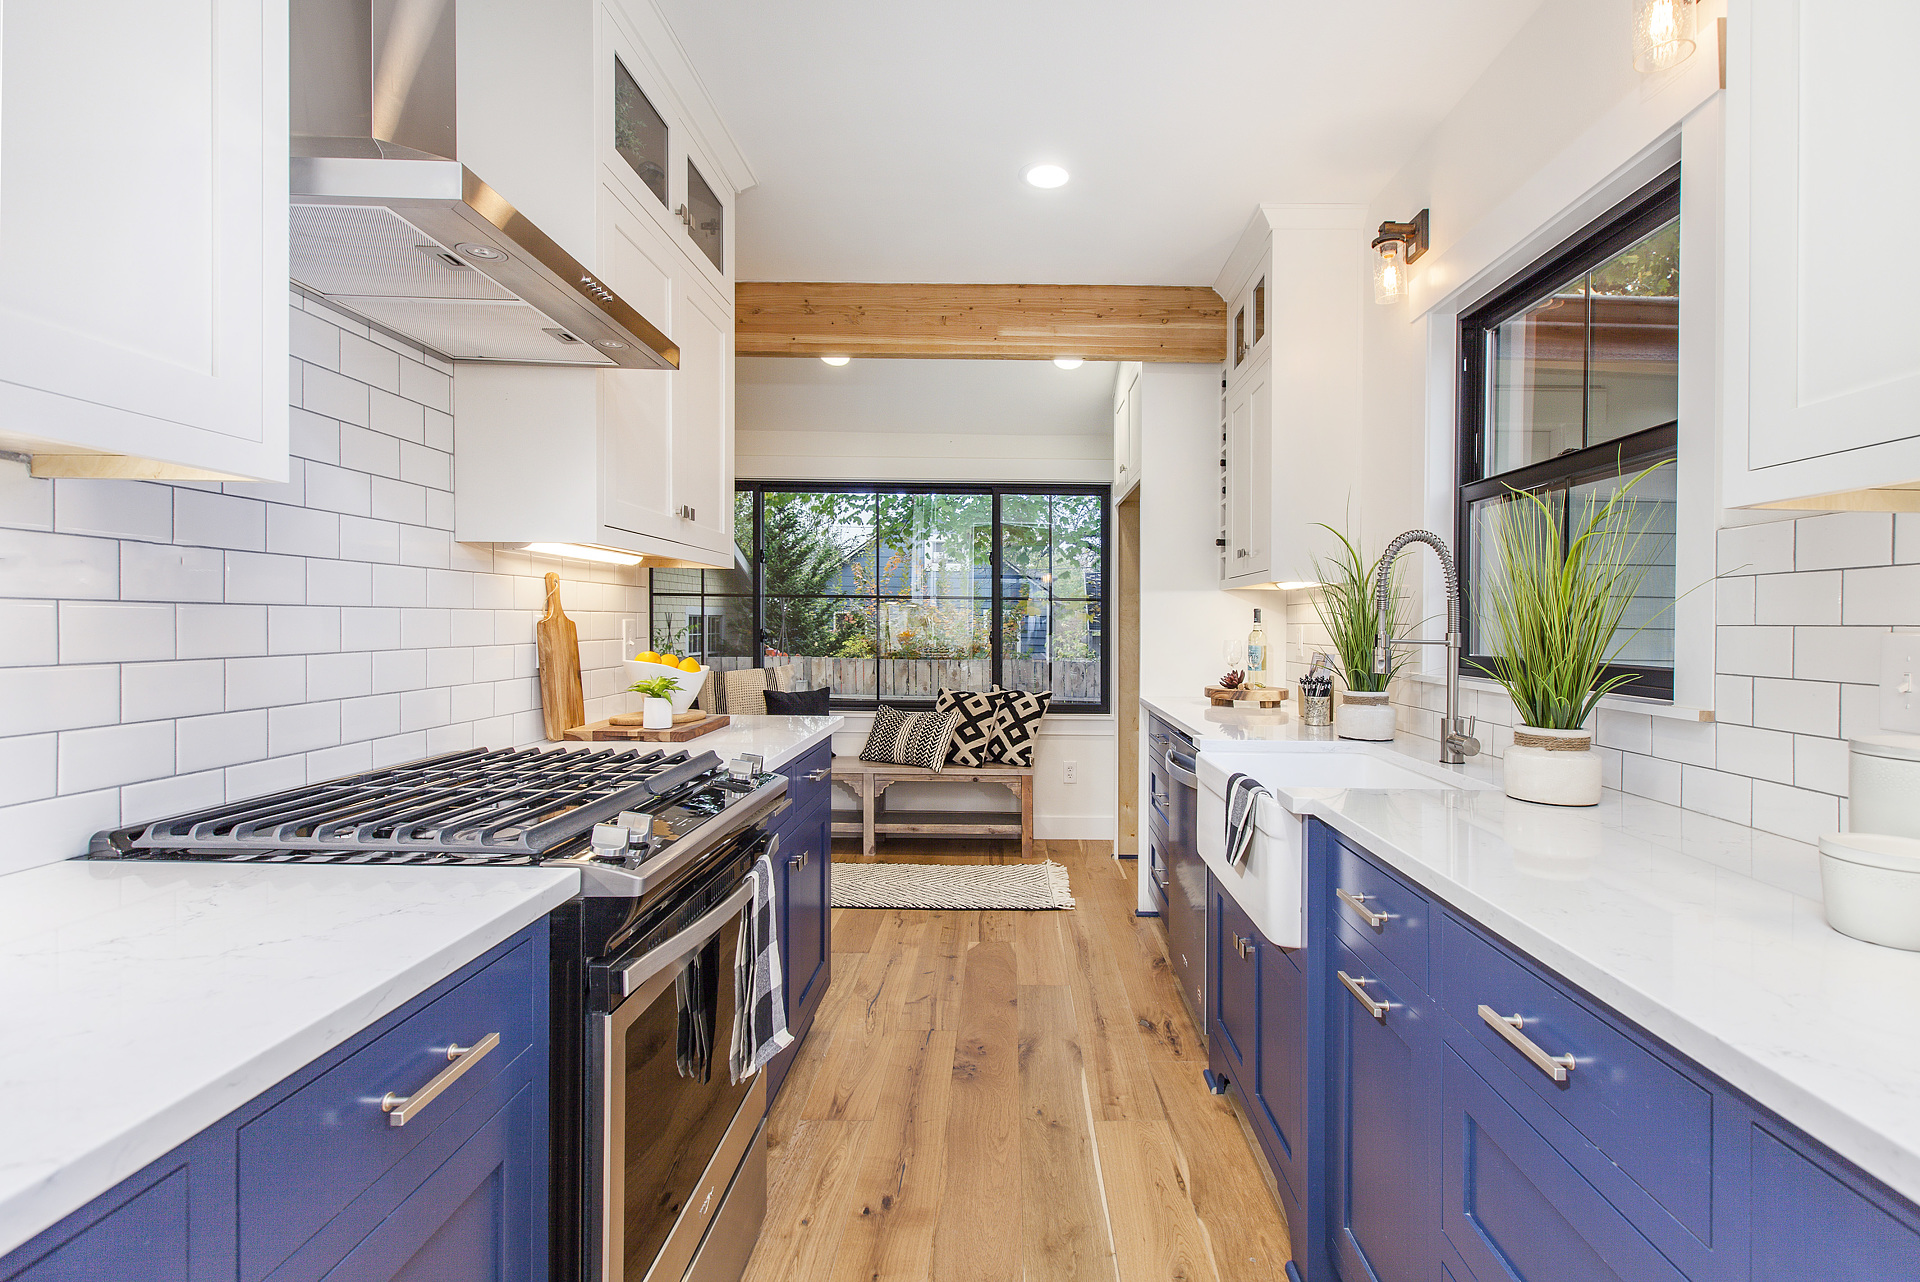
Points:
point(1271, 885)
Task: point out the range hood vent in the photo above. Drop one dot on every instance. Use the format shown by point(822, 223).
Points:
point(388, 224)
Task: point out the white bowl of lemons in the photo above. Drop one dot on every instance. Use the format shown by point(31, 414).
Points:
point(690, 673)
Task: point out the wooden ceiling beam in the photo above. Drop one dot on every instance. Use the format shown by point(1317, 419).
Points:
point(986, 322)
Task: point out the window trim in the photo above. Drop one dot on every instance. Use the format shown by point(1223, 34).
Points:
point(1653, 205)
point(997, 490)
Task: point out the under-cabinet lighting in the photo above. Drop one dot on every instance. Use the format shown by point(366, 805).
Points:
point(1296, 585)
point(584, 552)
point(1398, 245)
point(836, 360)
point(1662, 33)
point(1069, 362)
point(1045, 175)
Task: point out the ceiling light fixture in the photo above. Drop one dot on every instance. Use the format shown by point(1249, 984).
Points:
point(1045, 175)
point(583, 552)
point(836, 360)
point(1069, 362)
point(1662, 33)
point(1398, 244)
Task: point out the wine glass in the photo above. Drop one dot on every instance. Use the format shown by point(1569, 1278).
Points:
point(1235, 655)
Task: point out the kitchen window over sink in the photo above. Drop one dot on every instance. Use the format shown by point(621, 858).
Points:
point(887, 592)
point(1569, 387)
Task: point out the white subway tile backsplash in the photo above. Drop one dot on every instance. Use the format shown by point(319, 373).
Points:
point(439, 430)
point(1797, 598)
point(1733, 699)
point(433, 548)
point(399, 585)
point(395, 416)
point(1889, 596)
point(108, 756)
point(335, 395)
point(1906, 537)
point(302, 727)
point(365, 450)
point(461, 736)
point(399, 501)
point(332, 763)
point(1733, 599)
point(266, 682)
point(1757, 549)
point(1690, 742)
point(424, 628)
point(1841, 540)
point(114, 509)
point(163, 691)
point(40, 832)
point(274, 774)
point(313, 339)
point(1820, 764)
point(33, 700)
point(1756, 753)
point(362, 539)
point(1859, 710)
point(1628, 731)
point(313, 437)
point(440, 509)
point(450, 666)
point(302, 531)
point(1804, 707)
point(452, 589)
point(1754, 651)
point(1650, 777)
point(369, 628)
point(427, 467)
point(339, 676)
point(37, 564)
point(114, 631)
point(471, 702)
point(221, 631)
point(29, 633)
point(339, 583)
point(420, 709)
point(399, 670)
point(398, 748)
point(266, 578)
point(369, 363)
point(302, 629)
point(1794, 812)
point(227, 739)
point(27, 768)
point(1712, 792)
point(1836, 654)
point(335, 489)
point(158, 798)
point(157, 572)
point(430, 387)
point(26, 502)
point(470, 627)
point(374, 717)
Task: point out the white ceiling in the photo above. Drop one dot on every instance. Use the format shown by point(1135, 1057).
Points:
point(889, 136)
point(949, 398)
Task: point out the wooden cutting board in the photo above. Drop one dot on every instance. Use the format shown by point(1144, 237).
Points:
point(607, 732)
point(562, 705)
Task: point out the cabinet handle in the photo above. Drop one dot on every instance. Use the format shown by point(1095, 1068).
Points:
point(1508, 1026)
point(824, 772)
point(1355, 986)
point(1243, 946)
point(1358, 903)
point(797, 862)
point(401, 1108)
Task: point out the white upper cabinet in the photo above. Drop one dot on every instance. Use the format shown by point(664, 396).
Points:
point(1128, 407)
point(143, 236)
point(1823, 344)
point(1296, 282)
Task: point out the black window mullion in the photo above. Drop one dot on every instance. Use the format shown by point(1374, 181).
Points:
point(994, 571)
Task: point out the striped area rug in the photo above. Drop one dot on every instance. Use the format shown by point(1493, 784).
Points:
point(954, 886)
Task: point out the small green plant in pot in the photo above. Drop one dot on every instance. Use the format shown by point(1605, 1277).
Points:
point(1551, 609)
point(656, 706)
point(1349, 610)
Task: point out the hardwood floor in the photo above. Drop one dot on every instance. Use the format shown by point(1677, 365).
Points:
point(1001, 1096)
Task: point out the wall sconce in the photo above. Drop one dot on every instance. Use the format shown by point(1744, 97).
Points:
point(1398, 244)
point(1662, 33)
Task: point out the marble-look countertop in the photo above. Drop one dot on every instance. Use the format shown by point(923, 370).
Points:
point(1708, 934)
point(778, 739)
point(145, 1001)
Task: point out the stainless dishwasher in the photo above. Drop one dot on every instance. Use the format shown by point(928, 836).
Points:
point(1180, 874)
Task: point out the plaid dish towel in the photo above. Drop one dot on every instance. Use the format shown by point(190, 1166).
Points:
point(693, 1037)
point(1243, 799)
point(759, 997)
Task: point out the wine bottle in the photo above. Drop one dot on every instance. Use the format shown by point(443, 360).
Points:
point(1257, 653)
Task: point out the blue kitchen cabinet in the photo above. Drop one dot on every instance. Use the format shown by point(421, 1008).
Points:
point(310, 1180)
point(1233, 1005)
point(803, 875)
point(1814, 1217)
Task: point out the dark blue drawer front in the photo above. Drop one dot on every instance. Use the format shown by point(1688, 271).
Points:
point(1653, 1121)
point(1810, 1220)
point(304, 1160)
point(1515, 1209)
point(1403, 938)
point(1235, 1004)
point(803, 790)
point(145, 1237)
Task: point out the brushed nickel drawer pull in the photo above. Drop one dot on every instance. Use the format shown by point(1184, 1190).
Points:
point(1508, 1026)
point(815, 776)
point(401, 1108)
point(1358, 903)
point(1243, 945)
point(797, 862)
point(1376, 1009)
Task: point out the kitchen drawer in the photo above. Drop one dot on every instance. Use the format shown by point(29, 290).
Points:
point(1402, 933)
point(805, 791)
point(1234, 1001)
point(308, 1157)
point(1651, 1120)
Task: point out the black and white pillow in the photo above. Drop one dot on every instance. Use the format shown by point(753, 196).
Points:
point(1015, 736)
point(980, 712)
point(910, 738)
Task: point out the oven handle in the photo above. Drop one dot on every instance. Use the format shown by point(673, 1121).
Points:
point(628, 978)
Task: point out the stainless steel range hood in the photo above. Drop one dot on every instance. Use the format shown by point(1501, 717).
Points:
point(388, 224)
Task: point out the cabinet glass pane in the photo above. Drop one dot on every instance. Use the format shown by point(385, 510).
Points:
point(1260, 310)
point(639, 132)
point(706, 218)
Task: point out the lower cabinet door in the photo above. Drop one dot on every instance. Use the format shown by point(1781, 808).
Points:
point(1379, 1146)
point(474, 1218)
point(1234, 966)
point(804, 879)
point(1513, 1207)
point(1280, 1077)
point(146, 1237)
point(1810, 1220)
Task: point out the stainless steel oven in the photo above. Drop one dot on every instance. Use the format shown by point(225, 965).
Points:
point(682, 1158)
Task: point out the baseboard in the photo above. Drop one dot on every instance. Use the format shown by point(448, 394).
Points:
point(1073, 828)
point(1146, 912)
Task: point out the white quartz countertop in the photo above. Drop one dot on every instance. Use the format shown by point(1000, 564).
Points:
point(778, 739)
point(142, 1002)
point(1708, 934)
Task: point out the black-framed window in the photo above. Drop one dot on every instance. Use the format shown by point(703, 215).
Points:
point(888, 592)
point(1569, 387)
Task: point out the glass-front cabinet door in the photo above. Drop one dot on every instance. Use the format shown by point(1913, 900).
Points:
point(639, 132)
point(706, 219)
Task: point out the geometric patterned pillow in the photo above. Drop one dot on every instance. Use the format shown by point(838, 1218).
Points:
point(910, 738)
point(1014, 738)
point(980, 714)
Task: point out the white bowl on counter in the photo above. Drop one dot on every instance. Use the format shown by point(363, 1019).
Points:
point(1871, 884)
point(691, 683)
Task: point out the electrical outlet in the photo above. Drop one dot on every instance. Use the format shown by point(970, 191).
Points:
point(1070, 772)
point(1900, 681)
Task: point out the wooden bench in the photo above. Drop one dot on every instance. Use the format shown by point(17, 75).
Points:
point(870, 781)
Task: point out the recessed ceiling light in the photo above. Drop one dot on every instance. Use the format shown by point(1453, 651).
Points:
point(836, 360)
point(1045, 175)
point(1069, 362)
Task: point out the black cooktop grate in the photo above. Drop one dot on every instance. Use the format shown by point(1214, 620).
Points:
point(500, 804)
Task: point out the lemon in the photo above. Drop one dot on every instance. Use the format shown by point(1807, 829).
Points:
point(648, 657)
point(669, 660)
point(690, 665)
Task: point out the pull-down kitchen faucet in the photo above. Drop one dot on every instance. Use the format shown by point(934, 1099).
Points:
point(1456, 741)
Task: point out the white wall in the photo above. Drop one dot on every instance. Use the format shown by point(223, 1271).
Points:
point(164, 647)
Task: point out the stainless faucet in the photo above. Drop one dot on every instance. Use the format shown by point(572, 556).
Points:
point(1456, 740)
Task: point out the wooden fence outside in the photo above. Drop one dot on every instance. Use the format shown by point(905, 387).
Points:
point(1073, 681)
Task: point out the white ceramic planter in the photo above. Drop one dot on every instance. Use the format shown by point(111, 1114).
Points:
point(1871, 886)
point(1364, 715)
point(1553, 767)
point(656, 714)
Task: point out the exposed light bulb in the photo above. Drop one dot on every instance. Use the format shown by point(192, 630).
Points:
point(1069, 362)
point(1390, 274)
point(836, 360)
point(1045, 175)
point(1662, 33)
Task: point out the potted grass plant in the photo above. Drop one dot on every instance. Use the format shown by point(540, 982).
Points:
point(1348, 607)
point(1552, 607)
point(656, 701)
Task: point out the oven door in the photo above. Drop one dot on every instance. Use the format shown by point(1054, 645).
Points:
point(673, 1127)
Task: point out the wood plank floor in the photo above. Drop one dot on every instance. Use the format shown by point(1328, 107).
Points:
point(1005, 1096)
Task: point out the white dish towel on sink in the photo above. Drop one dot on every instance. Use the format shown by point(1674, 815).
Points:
point(1243, 799)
